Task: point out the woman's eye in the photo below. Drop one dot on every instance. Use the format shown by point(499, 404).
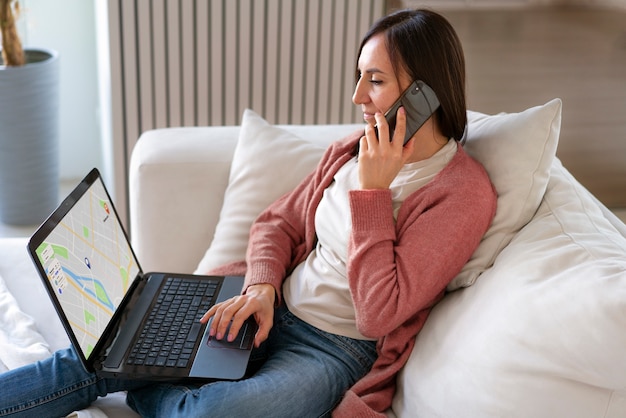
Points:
point(376, 82)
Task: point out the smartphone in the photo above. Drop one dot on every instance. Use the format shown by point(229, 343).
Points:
point(419, 102)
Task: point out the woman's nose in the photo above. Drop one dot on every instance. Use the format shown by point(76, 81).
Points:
point(359, 96)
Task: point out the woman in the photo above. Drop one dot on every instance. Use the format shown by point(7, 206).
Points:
point(374, 234)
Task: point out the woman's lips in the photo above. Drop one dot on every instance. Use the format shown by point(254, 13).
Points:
point(368, 117)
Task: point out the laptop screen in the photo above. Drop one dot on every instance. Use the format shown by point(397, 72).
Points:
point(88, 262)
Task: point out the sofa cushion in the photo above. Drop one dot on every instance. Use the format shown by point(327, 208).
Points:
point(267, 163)
point(541, 334)
point(516, 150)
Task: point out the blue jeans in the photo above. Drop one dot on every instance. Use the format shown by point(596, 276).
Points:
point(299, 371)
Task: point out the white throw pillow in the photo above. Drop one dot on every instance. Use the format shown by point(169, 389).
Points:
point(267, 163)
point(541, 334)
point(517, 150)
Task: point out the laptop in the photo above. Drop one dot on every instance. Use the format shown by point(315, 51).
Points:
point(124, 322)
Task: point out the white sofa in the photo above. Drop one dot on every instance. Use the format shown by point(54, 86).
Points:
point(533, 327)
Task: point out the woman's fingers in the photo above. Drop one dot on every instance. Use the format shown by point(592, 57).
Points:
point(229, 316)
point(380, 159)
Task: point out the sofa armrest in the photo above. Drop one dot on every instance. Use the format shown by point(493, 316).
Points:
point(177, 181)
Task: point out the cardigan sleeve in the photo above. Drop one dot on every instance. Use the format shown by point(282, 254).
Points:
point(284, 234)
point(397, 270)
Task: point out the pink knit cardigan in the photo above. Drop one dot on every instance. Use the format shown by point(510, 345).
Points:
point(397, 270)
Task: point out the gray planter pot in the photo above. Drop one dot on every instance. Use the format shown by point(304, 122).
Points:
point(29, 138)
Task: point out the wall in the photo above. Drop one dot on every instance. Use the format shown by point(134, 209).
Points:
point(618, 4)
point(67, 26)
point(198, 63)
point(499, 4)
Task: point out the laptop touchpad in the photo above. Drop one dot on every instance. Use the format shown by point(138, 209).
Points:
point(243, 341)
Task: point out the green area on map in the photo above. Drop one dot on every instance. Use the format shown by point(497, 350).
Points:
point(101, 294)
point(89, 317)
point(124, 274)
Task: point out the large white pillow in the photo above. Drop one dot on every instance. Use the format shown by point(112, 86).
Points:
point(516, 150)
point(267, 163)
point(541, 334)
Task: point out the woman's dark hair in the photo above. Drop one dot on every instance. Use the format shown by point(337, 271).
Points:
point(427, 48)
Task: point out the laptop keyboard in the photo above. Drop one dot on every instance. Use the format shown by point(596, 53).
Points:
point(170, 333)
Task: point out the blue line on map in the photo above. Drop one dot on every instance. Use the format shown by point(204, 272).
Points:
point(80, 281)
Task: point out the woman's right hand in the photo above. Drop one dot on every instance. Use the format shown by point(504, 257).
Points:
point(381, 158)
point(258, 301)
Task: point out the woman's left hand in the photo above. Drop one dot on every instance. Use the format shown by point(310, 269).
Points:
point(380, 159)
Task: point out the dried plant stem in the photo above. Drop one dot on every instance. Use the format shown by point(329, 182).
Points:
point(12, 51)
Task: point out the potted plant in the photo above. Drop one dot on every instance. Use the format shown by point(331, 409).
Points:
point(29, 126)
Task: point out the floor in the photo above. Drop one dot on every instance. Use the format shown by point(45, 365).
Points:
point(525, 57)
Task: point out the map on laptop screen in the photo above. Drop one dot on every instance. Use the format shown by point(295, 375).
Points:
point(89, 264)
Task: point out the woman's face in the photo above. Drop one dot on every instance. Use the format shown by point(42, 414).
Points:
point(378, 86)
